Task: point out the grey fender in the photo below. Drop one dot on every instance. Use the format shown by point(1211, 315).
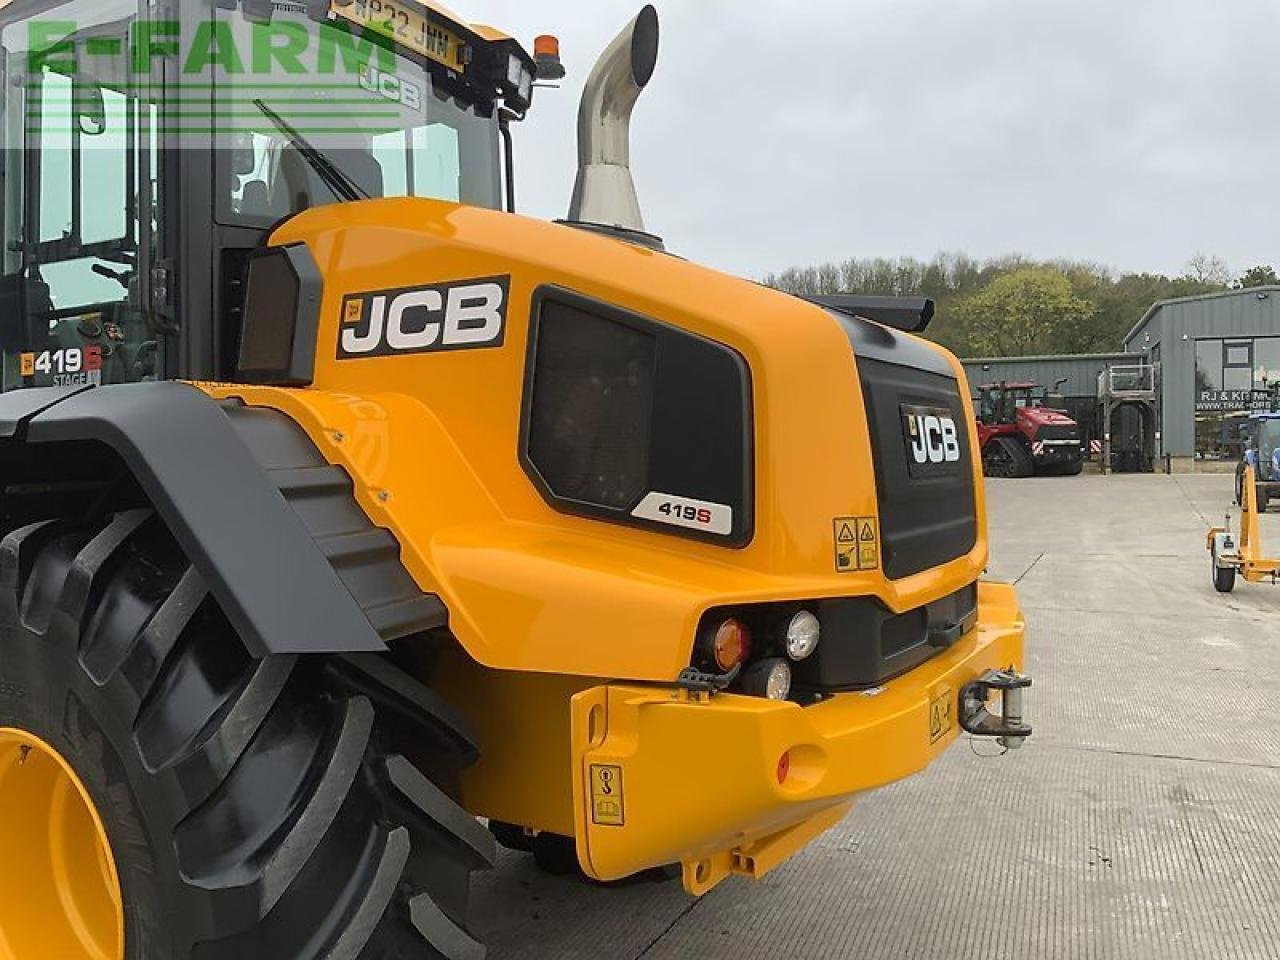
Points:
point(272, 527)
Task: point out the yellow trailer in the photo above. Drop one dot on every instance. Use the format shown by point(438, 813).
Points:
point(1229, 557)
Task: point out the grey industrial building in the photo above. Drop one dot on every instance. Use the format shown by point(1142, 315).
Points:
point(1218, 356)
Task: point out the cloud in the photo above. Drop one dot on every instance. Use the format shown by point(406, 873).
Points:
point(775, 133)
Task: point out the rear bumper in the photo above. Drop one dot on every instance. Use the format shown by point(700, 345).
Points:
point(662, 777)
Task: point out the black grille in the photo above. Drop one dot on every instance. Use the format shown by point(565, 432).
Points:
point(591, 407)
point(927, 517)
point(1050, 432)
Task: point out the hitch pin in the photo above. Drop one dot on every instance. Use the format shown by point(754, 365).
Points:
point(1011, 707)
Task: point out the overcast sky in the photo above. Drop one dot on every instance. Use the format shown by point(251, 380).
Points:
point(1133, 133)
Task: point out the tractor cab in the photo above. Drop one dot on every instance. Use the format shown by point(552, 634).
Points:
point(999, 402)
point(1262, 453)
point(147, 155)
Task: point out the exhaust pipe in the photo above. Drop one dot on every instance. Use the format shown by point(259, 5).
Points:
point(605, 193)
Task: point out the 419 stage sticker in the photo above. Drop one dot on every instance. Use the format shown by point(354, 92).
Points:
point(70, 367)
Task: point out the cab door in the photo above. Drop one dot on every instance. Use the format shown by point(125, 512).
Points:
point(74, 305)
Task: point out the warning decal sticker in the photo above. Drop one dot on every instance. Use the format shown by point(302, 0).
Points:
point(941, 715)
point(606, 796)
point(857, 543)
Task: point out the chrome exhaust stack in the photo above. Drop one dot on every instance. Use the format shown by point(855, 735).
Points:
point(605, 192)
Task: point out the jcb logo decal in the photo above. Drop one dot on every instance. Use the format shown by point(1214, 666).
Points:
point(452, 316)
point(932, 436)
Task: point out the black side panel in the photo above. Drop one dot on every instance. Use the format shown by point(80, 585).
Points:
point(930, 518)
point(366, 558)
point(285, 590)
point(620, 408)
point(281, 317)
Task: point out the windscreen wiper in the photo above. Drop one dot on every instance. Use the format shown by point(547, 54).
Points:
point(343, 187)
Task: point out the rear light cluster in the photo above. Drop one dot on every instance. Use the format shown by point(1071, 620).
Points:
point(727, 643)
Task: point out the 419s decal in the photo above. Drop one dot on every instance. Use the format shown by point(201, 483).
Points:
point(714, 518)
point(465, 315)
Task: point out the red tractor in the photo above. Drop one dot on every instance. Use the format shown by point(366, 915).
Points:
point(1022, 435)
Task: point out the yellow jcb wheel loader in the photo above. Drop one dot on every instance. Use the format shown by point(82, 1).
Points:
point(349, 520)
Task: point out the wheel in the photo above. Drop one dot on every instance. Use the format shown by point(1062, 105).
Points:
point(1240, 485)
point(1007, 457)
point(1224, 577)
point(1264, 500)
point(235, 806)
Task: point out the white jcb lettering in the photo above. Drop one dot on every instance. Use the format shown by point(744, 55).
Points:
point(398, 338)
point(474, 314)
point(950, 441)
point(425, 319)
point(933, 439)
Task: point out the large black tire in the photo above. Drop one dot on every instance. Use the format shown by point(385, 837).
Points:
point(1264, 500)
point(1007, 457)
point(258, 809)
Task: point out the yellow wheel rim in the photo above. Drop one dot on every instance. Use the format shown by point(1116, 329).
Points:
point(59, 890)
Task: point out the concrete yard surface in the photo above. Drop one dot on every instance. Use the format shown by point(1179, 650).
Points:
point(1142, 820)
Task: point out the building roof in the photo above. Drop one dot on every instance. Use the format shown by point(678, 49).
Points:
point(1048, 358)
point(1217, 295)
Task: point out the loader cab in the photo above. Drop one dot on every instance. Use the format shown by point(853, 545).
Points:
point(147, 158)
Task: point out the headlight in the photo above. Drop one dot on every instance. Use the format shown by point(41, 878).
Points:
point(519, 81)
point(768, 678)
point(803, 633)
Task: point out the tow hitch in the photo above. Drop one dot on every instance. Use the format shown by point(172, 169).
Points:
point(1008, 728)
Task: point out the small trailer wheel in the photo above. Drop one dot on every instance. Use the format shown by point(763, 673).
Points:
point(1224, 578)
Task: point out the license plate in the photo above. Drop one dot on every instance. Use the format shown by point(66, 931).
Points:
point(408, 26)
point(942, 715)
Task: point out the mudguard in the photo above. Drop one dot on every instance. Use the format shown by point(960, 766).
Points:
point(271, 526)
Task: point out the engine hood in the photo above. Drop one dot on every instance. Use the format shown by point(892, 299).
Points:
point(1036, 417)
point(481, 529)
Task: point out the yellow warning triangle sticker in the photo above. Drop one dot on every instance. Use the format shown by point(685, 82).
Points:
point(846, 534)
point(866, 533)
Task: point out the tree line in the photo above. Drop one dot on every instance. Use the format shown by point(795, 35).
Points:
point(1018, 306)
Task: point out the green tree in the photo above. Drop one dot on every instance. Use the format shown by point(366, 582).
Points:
point(1027, 311)
point(951, 279)
point(1259, 276)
